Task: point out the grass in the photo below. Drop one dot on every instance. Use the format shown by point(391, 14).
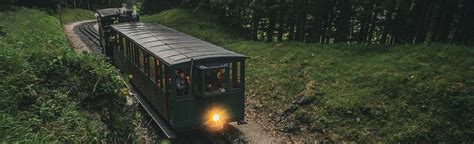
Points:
point(202, 28)
point(365, 93)
point(48, 93)
point(73, 15)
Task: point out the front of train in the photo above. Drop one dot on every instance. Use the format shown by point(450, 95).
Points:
point(216, 97)
point(221, 85)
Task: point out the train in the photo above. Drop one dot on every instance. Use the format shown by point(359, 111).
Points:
point(183, 82)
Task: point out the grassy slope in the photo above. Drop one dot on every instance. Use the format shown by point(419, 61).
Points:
point(361, 92)
point(73, 15)
point(50, 93)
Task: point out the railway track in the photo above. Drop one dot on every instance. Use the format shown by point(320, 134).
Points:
point(90, 36)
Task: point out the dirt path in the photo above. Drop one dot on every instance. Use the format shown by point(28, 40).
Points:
point(254, 134)
point(74, 39)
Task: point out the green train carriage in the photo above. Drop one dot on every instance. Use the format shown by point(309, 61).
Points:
point(159, 58)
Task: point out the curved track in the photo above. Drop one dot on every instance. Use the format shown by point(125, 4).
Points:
point(90, 36)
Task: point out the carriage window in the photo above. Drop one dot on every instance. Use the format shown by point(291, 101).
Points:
point(166, 80)
point(133, 55)
point(157, 71)
point(182, 82)
point(119, 37)
point(131, 46)
point(124, 42)
point(129, 53)
point(137, 55)
point(152, 68)
point(214, 80)
point(122, 49)
point(141, 58)
point(235, 76)
point(146, 64)
point(121, 42)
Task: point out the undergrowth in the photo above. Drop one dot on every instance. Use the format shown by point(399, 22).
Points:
point(49, 93)
point(365, 93)
point(73, 15)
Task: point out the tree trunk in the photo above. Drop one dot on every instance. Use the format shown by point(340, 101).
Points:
point(301, 20)
point(445, 20)
point(343, 20)
point(271, 22)
point(281, 22)
point(388, 22)
point(255, 24)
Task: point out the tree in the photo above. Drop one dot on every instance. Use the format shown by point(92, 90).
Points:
point(337, 21)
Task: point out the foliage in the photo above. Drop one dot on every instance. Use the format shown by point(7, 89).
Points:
point(73, 15)
point(50, 93)
point(84, 4)
point(203, 29)
point(340, 21)
point(365, 93)
point(151, 7)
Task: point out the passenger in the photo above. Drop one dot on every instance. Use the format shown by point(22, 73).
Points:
point(220, 80)
point(215, 81)
point(209, 80)
point(220, 74)
point(182, 83)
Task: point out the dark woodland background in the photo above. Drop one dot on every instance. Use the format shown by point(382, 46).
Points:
point(321, 21)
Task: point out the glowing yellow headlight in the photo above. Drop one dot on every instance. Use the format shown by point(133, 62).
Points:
point(215, 117)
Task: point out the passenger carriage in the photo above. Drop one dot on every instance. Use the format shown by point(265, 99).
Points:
point(160, 59)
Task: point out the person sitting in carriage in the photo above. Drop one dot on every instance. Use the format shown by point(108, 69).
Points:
point(182, 83)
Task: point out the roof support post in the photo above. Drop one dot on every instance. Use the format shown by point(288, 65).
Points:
point(172, 84)
point(242, 75)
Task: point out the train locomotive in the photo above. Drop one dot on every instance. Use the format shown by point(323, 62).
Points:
point(184, 82)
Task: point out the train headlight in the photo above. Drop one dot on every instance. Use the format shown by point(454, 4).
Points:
point(216, 117)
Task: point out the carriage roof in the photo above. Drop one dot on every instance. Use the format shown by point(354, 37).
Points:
point(172, 46)
point(108, 12)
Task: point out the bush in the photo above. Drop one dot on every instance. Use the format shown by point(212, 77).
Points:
point(73, 15)
point(50, 93)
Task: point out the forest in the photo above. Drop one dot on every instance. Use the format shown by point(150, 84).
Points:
point(341, 21)
point(320, 21)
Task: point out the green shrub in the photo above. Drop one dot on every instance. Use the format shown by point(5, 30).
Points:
point(50, 93)
point(73, 15)
point(201, 27)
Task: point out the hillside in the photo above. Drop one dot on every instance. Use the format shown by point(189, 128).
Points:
point(49, 93)
point(362, 93)
point(73, 15)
